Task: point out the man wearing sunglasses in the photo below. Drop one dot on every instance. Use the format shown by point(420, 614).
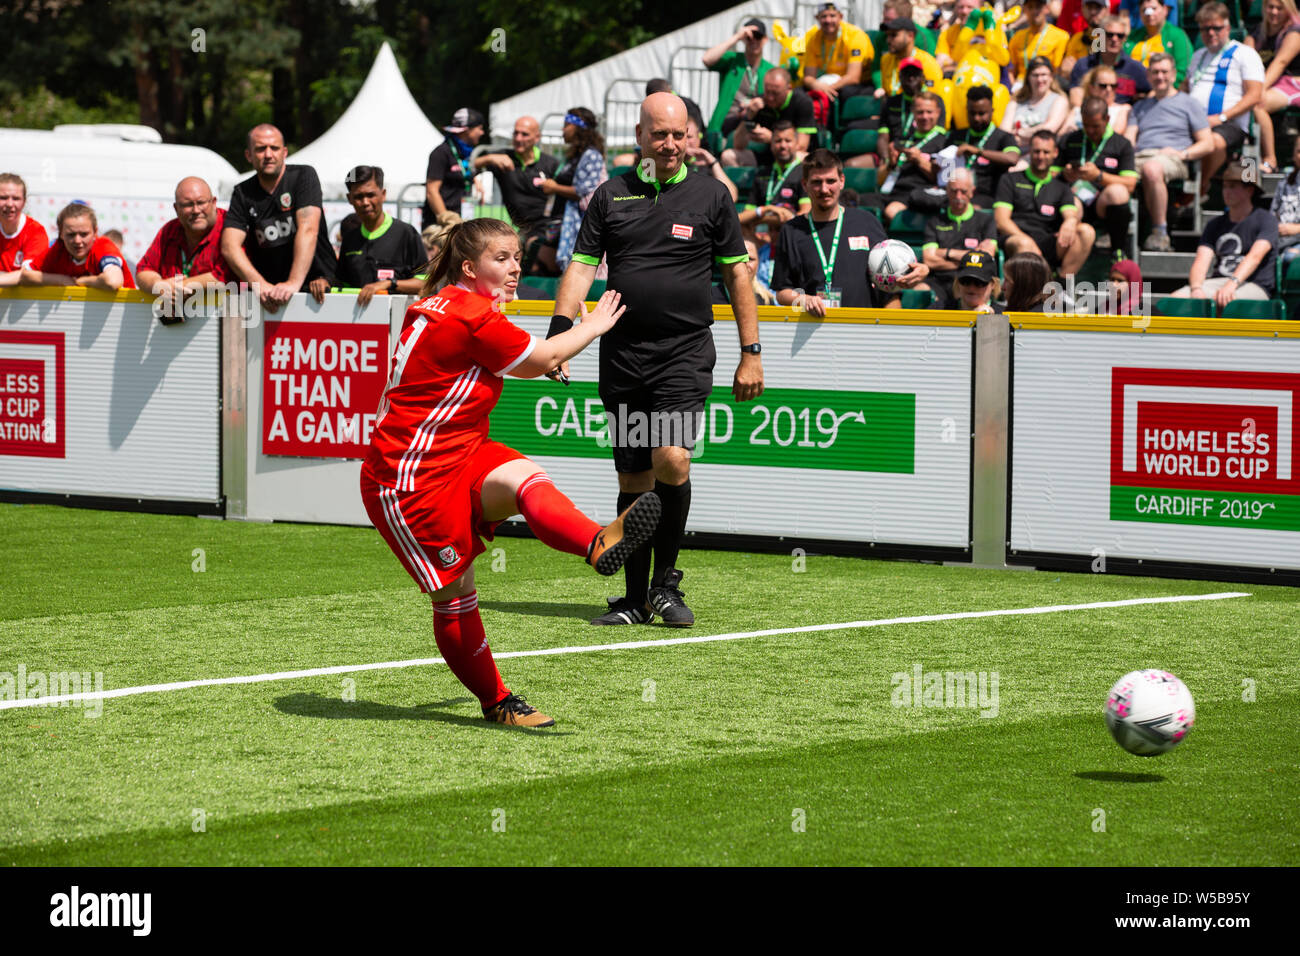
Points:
point(1227, 78)
point(1131, 75)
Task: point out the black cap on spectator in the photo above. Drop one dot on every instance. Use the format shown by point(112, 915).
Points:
point(977, 265)
point(463, 119)
point(757, 24)
point(900, 23)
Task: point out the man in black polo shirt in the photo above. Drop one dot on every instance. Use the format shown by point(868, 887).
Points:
point(273, 237)
point(1036, 212)
point(985, 150)
point(449, 177)
point(1099, 167)
point(778, 196)
point(820, 261)
point(897, 116)
point(960, 228)
point(661, 232)
point(780, 102)
point(914, 170)
point(519, 173)
point(378, 253)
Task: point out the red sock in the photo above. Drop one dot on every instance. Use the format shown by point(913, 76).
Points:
point(458, 629)
point(553, 517)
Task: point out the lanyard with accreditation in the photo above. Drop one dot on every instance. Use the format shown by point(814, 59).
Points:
point(829, 293)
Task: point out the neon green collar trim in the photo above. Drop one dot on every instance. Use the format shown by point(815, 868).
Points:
point(1029, 174)
point(970, 211)
point(537, 154)
point(677, 177)
point(388, 221)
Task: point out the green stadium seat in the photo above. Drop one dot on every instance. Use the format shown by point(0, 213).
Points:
point(858, 141)
point(858, 108)
point(878, 45)
point(597, 289)
point(907, 223)
point(925, 40)
point(1254, 309)
point(824, 139)
point(547, 284)
point(742, 176)
point(714, 141)
point(861, 180)
point(916, 298)
point(1185, 308)
point(618, 171)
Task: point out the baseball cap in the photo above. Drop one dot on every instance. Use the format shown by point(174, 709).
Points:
point(899, 23)
point(977, 265)
point(828, 6)
point(463, 119)
point(912, 62)
point(1096, 3)
point(757, 24)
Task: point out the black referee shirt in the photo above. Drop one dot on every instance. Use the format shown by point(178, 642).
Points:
point(986, 172)
point(797, 108)
point(896, 116)
point(661, 242)
point(946, 231)
point(523, 198)
point(797, 265)
point(787, 191)
point(909, 174)
point(270, 223)
point(1035, 204)
point(1114, 154)
point(393, 251)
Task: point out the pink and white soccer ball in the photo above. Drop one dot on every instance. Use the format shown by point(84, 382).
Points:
point(1149, 712)
point(888, 261)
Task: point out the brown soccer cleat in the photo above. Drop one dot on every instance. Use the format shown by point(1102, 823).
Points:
point(616, 542)
point(517, 712)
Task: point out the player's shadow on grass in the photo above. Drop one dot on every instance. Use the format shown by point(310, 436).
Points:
point(1115, 776)
point(334, 708)
point(544, 608)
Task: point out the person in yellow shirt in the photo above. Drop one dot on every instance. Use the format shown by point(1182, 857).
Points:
point(1082, 43)
point(837, 56)
point(900, 34)
point(1039, 38)
point(950, 35)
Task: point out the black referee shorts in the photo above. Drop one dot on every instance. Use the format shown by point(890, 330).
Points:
point(654, 394)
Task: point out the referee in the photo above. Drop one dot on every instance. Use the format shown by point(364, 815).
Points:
point(661, 232)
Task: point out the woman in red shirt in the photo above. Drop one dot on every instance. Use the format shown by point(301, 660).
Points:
point(80, 257)
point(435, 485)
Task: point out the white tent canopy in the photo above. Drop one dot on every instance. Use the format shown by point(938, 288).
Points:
point(382, 127)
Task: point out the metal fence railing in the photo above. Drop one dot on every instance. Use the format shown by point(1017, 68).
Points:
point(691, 78)
point(622, 110)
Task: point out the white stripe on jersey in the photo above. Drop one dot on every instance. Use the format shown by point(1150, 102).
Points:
point(406, 540)
point(404, 350)
point(424, 435)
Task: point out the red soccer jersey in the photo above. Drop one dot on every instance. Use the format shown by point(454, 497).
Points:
point(102, 253)
point(26, 244)
point(447, 376)
point(166, 255)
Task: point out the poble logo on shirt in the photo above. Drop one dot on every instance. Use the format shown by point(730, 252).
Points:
point(682, 231)
point(275, 232)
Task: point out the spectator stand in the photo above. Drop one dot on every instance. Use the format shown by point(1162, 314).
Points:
point(622, 110)
point(690, 78)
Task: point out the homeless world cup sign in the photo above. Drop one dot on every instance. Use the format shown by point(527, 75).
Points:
point(1200, 447)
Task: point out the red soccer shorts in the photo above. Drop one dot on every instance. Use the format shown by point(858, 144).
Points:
point(438, 531)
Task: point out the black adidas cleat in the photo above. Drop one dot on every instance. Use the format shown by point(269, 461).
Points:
point(667, 601)
point(623, 611)
point(616, 542)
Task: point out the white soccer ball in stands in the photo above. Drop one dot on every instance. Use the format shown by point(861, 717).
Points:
point(888, 261)
point(1149, 712)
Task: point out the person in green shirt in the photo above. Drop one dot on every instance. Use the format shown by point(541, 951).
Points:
point(742, 74)
point(1159, 36)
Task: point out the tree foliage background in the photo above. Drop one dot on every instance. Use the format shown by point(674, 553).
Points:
point(203, 71)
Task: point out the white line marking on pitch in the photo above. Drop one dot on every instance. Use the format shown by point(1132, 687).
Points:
point(623, 646)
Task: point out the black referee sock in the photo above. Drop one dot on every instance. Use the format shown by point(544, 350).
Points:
point(676, 500)
point(636, 569)
point(1117, 220)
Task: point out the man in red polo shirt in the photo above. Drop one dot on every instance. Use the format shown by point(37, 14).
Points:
point(81, 256)
point(21, 238)
point(185, 256)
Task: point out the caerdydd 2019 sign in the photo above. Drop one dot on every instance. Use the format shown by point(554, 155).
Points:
point(862, 434)
point(1165, 447)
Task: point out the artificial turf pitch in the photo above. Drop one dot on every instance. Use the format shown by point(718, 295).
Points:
point(780, 749)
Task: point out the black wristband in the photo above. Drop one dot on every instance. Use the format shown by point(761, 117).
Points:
point(559, 323)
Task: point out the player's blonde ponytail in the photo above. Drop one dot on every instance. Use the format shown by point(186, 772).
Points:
point(464, 242)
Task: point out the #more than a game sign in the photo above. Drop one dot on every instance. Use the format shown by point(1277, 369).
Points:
point(321, 385)
point(31, 394)
point(1202, 447)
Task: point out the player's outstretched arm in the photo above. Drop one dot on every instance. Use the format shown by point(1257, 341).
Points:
point(748, 381)
point(548, 353)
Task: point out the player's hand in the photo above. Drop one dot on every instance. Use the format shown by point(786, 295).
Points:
point(967, 149)
point(606, 313)
point(560, 374)
point(1226, 293)
point(1069, 232)
point(814, 305)
point(753, 106)
point(368, 291)
point(281, 292)
point(748, 382)
point(1090, 172)
point(761, 133)
point(777, 215)
point(318, 287)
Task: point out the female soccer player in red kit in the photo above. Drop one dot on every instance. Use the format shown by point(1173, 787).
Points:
point(435, 485)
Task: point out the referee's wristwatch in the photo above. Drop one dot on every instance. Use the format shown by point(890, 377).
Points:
point(753, 349)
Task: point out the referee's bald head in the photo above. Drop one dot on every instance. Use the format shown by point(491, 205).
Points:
point(661, 133)
point(660, 109)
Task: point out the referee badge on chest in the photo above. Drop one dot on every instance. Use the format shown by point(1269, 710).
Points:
point(682, 231)
point(858, 243)
point(447, 556)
